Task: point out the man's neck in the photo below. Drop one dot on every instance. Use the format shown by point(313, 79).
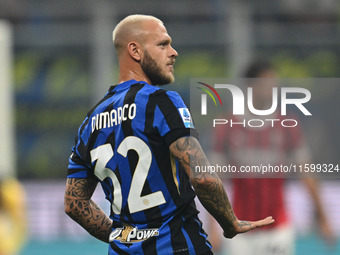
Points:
point(132, 71)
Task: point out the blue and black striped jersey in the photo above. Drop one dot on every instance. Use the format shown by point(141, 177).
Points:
point(124, 142)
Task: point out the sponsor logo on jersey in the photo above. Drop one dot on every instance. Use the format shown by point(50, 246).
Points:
point(130, 234)
point(186, 117)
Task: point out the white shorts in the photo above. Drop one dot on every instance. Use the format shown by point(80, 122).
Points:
point(277, 241)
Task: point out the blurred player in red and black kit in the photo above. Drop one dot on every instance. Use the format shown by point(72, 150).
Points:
point(255, 197)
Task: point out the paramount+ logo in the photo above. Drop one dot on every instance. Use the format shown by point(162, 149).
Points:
point(243, 105)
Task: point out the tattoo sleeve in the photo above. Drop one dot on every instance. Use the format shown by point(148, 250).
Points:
point(82, 209)
point(208, 186)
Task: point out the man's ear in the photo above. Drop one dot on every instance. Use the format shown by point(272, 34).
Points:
point(134, 51)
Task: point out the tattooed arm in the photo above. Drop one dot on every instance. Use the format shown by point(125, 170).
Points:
point(209, 188)
point(82, 209)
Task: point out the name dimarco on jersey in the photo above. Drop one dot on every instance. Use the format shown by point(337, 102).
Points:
point(114, 117)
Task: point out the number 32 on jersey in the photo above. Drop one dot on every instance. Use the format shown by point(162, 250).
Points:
point(136, 202)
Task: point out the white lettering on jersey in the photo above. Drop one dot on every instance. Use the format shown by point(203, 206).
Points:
point(113, 118)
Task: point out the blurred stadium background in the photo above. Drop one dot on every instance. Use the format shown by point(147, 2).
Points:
point(62, 61)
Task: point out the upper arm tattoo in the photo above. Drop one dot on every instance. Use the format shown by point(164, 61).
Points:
point(189, 153)
point(80, 188)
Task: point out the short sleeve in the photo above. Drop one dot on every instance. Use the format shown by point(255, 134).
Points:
point(172, 117)
point(76, 166)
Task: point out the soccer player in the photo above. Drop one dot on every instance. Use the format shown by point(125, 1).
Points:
point(253, 197)
point(140, 143)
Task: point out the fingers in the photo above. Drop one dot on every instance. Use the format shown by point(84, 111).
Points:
point(245, 226)
point(265, 222)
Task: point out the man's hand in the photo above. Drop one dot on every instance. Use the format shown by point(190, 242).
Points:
point(240, 226)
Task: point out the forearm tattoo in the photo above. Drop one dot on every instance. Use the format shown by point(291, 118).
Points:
point(84, 211)
point(208, 186)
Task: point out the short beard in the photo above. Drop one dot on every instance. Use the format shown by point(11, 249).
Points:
point(154, 72)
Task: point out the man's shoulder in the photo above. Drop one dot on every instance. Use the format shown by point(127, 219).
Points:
point(144, 87)
point(159, 93)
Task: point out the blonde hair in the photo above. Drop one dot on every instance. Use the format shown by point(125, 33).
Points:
point(130, 26)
